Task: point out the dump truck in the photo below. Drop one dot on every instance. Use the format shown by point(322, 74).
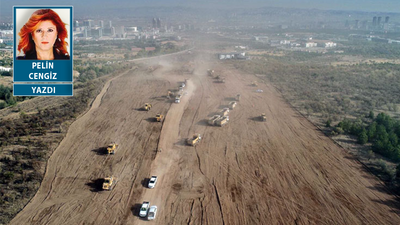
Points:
point(232, 105)
point(159, 117)
point(224, 112)
point(194, 140)
point(263, 117)
point(222, 121)
point(213, 119)
point(109, 183)
point(238, 97)
point(147, 106)
point(111, 148)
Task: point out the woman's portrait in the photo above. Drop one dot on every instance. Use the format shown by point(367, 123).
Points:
point(43, 37)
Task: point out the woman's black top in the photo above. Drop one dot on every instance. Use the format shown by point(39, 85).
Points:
point(33, 55)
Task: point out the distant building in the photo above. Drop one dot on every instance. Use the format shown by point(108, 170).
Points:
point(109, 31)
point(101, 23)
point(311, 44)
point(387, 19)
point(96, 32)
point(284, 42)
point(149, 49)
point(110, 24)
point(76, 23)
point(88, 23)
point(330, 45)
point(232, 55)
point(158, 23)
point(120, 32)
point(154, 23)
point(374, 21)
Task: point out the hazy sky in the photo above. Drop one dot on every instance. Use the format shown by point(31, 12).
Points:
point(358, 5)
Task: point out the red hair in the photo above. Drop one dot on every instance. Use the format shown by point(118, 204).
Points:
point(26, 43)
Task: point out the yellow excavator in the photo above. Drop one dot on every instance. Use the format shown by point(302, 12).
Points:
point(147, 106)
point(109, 183)
point(159, 117)
point(111, 148)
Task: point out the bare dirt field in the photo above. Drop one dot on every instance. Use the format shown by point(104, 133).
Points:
point(282, 171)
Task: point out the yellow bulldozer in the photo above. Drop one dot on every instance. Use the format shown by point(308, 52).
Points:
point(111, 148)
point(159, 117)
point(109, 183)
point(194, 140)
point(147, 106)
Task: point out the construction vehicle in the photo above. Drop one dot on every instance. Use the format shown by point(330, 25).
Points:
point(111, 148)
point(238, 97)
point(159, 117)
point(170, 95)
point(194, 140)
point(178, 98)
point(212, 120)
point(224, 112)
point(222, 121)
point(254, 84)
point(263, 117)
point(147, 106)
point(232, 105)
point(221, 80)
point(109, 183)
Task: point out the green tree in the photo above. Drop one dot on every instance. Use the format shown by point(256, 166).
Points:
point(363, 137)
point(371, 114)
point(328, 123)
point(372, 131)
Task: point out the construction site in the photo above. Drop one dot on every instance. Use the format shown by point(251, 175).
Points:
point(220, 151)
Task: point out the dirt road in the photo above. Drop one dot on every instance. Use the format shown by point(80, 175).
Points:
point(282, 171)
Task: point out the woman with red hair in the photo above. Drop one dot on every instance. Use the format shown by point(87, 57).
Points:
point(43, 37)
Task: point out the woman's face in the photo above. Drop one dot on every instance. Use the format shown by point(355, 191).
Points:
point(45, 35)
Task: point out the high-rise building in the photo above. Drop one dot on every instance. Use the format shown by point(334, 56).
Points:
point(76, 23)
point(101, 23)
point(158, 23)
point(88, 23)
point(387, 19)
point(374, 21)
point(110, 23)
point(154, 23)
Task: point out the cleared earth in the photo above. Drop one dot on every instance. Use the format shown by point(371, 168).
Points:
point(282, 171)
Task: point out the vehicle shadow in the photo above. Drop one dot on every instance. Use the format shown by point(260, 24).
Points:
point(230, 99)
point(151, 119)
point(96, 185)
point(100, 151)
point(145, 181)
point(181, 142)
point(203, 122)
point(256, 118)
point(135, 209)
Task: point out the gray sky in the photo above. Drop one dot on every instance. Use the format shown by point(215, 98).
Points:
point(358, 5)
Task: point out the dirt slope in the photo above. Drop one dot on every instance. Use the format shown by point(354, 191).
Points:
point(282, 171)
